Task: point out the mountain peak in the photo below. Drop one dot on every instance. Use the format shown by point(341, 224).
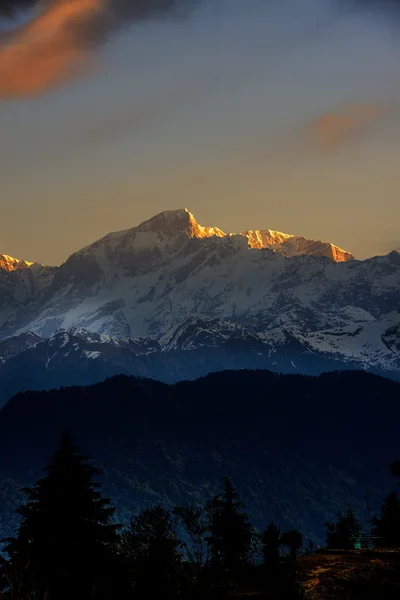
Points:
point(8, 263)
point(167, 222)
point(174, 222)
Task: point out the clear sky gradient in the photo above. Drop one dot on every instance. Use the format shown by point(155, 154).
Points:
point(280, 114)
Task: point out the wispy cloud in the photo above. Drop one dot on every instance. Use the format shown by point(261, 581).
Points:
point(334, 130)
point(47, 50)
point(139, 116)
point(57, 43)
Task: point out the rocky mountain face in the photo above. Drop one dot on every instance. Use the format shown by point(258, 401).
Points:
point(10, 347)
point(197, 300)
point(22, 284)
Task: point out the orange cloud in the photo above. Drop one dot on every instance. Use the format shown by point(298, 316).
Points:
point(334, 130)
point(48, 50)
point(59, 42)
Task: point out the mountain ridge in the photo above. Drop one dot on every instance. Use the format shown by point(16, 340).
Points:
point(181, 220)
point(193, 349)
point(178, 286)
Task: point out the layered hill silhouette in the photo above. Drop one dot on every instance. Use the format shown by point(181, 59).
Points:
point(298, 448)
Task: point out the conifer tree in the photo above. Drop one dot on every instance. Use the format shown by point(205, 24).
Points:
point(194, 524)
point(150, 550)
point(63, 547)
point(230, 532)
point(395, 469)
point(271, 542)
point(279, 576)
point(387, 525)
point(293, 539)
point(343, 533)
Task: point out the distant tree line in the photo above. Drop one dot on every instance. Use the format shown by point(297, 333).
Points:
point(384, 528)
point(68, 547)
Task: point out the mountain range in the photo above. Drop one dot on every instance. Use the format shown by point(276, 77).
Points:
point(171, 299)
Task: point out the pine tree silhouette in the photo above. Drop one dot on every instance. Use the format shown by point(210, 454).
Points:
point(343, 533)
point(386, 527)
point(150, 550)
point(63, 548)
point(231, 534)
point(293, 539)
point(271, 543)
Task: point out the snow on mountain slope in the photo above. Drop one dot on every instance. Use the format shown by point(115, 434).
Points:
point(391, 338)
point(364, 343)
point(192, 350)
point(195, 333)
point(183, 286)
point(15, 345)
point(74, 357)
point(139, 346)
point(140, 294)
point(294, 245)
point(21, 285)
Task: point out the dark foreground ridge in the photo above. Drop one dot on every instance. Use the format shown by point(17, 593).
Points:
point(298, 448)
point(69, 545)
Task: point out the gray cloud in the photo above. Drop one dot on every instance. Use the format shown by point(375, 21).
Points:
point(57, 44)
point(133, 10)
point(8, 8)
point(118, 9)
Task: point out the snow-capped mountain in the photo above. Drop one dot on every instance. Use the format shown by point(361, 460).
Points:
point(178, 286)
point(129, 283)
